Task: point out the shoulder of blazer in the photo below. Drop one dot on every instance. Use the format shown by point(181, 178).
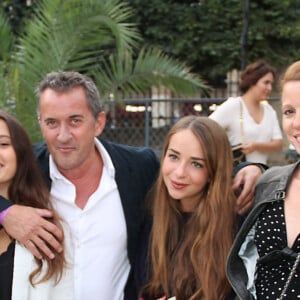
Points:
point(133, 157)
point(121, 155)
point(42, 155)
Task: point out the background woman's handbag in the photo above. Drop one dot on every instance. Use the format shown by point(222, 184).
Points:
point(237, 153)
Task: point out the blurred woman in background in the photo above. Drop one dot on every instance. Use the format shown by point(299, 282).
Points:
point(249, 120)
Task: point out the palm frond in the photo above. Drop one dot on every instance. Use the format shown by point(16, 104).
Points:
point(6, 38)
point(90, 36)
point(151, 68)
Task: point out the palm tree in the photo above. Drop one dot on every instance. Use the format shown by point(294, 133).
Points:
point(6, 47)
point(89, 36)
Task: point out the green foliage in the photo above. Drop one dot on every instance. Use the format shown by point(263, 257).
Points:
point(16, 11)
point(6, 45)
point(207, 33)
point(6, 39)
point(103, 39)
point(150, 68)
point(89, 36)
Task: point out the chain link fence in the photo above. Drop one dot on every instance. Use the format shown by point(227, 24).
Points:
point(145, 122)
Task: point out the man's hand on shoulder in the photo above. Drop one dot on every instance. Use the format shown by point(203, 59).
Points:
point(30, 227)
point(244, 185)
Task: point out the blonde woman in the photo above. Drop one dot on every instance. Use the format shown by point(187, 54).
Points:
point(264, 260)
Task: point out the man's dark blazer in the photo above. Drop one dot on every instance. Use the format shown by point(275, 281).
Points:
point(136, 170)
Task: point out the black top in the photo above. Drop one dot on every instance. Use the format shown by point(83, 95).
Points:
point(6, 272)
point(276, 259)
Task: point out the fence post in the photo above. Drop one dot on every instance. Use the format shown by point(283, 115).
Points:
point(161, 110)
point(147, 123)
point(232, 83)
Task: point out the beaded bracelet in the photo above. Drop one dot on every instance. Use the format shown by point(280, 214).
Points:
point(3, 215)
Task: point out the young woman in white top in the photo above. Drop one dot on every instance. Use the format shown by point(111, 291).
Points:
point(248, 119)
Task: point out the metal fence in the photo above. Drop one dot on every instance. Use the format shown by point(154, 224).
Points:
point(145, 122)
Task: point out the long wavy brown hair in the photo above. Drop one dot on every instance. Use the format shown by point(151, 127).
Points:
point(28, 188)
point(188, 258)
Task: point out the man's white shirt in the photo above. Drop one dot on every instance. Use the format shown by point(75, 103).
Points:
point(98, 232)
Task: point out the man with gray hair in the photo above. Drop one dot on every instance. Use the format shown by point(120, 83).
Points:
point(97, 187)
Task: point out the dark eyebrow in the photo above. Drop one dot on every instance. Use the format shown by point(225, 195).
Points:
point(49, 119)
point(76, 116)
point(69, 117)
point(197, 158)
point(193, 157)
point(173, 150)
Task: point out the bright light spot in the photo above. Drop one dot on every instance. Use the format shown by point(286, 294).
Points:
point(213, 107)
point(132, 108)
point(198, 107)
